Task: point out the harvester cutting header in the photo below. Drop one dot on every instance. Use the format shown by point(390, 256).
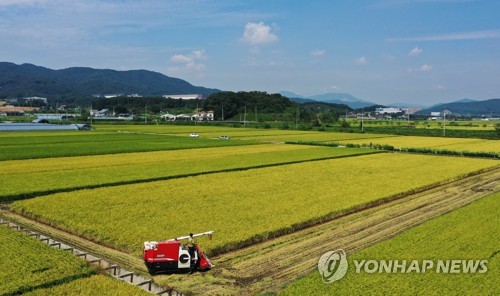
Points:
point(173, 256)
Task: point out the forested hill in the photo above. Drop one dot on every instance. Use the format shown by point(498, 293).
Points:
point(78, 83)
point(486, 107)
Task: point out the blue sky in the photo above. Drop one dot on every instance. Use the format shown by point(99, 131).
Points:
point(386, 51)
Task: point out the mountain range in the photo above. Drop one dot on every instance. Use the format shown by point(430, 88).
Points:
point(467, 107)
point(460, 107)
point(335, 98)
point(78, 83)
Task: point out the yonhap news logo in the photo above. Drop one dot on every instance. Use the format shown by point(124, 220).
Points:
point(333, 266)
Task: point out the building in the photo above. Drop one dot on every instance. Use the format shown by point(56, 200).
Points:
point(390, 110)
point(56, 116)
point(16, 111)
point(185, 97)
point(109, 96)
point(198, 116)
point(204, 116)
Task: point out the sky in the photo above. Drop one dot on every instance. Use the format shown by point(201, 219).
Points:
point(384, 51)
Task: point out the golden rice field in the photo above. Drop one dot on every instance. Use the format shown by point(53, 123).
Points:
point(457, 144)
point(469, 233)
point(269, 135)
point(22, 178)
point(91, 286)
point(27, 264)
point(244, 206)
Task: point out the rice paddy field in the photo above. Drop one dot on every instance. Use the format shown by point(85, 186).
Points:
point(266, 135)
point(90, 286)
point(121, 185)
point(30, 145)
point(23, 178)
point(241, 207)
point(433, 124)
point(456, 144)
point(465, 234)
point(37, 264)
point(34, 268)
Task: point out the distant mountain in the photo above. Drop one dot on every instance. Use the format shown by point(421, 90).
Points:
point(335, 98)
point(469, 107)
point(290, 94)
point(73, 84)
point(317, 107)
point(342, 98)
point(407, 105)
point(301, 101)
point(466, 101)
point(295, 97)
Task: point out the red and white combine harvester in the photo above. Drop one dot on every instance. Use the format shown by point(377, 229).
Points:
point(173, 256)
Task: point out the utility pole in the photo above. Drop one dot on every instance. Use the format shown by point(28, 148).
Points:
point(255, 113)
point(146, 114)
point(222, 112)
point(444, 122)
point(408, 111)
point(362, 122)
point(90, 114)
point(297, 117)
point(245, 116)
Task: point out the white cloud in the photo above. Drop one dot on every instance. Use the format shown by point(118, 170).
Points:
point(416, 51)
point(258, 33)
point(361, 61)
point(472, 35)
point(318, 52)
point(426, 68)
point(180, 59)
point(335, 88)
point(423, 68)
point(188, 64)
point(199, 54)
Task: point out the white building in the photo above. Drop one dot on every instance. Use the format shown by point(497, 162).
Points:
point(198, 116)
point(109, 96)
point(204, 116)
point(185, 97)
point(388, 110)
point(168, 117)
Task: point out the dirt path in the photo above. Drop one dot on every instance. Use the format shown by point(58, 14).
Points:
point(270, 265)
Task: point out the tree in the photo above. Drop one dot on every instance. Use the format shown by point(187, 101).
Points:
point(344, 124)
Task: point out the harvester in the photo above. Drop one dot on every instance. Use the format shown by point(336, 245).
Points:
point(173, 256)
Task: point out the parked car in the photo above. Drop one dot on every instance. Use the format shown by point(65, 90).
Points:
point(224, 137)
point(194, 135)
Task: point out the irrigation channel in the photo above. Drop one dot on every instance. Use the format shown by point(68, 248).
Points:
point(268, 266)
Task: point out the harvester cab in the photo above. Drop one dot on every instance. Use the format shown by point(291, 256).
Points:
point(174, 256)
